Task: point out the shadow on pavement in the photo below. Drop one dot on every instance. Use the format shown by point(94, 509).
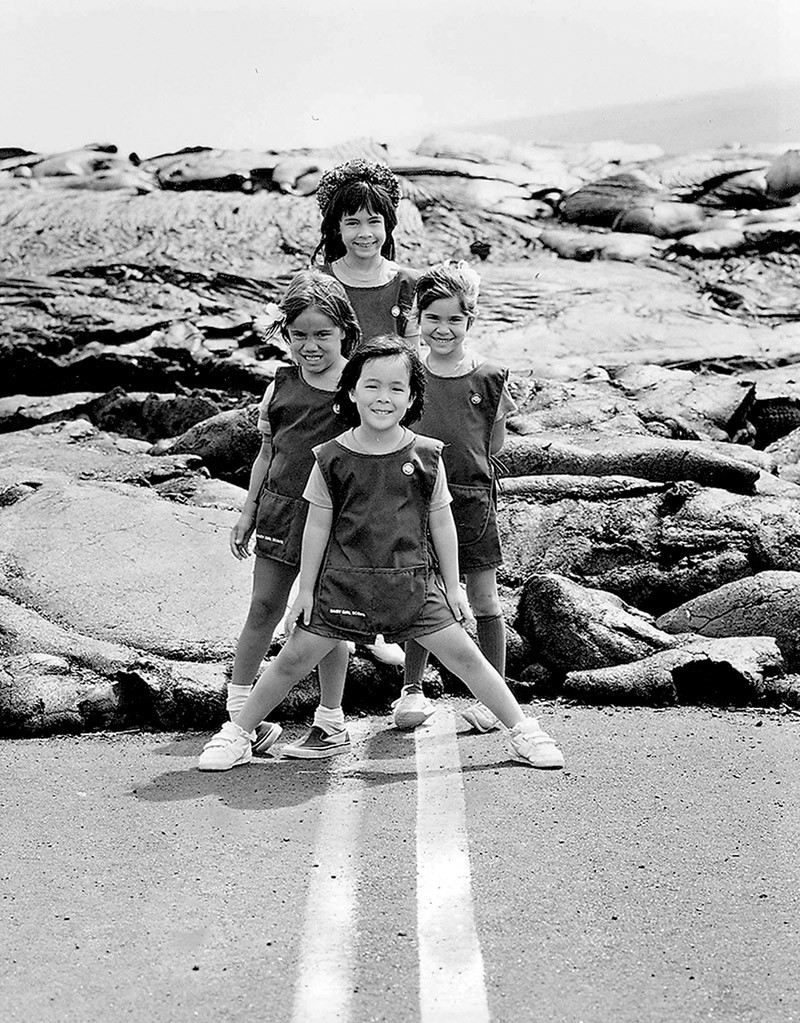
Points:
point(269, 782)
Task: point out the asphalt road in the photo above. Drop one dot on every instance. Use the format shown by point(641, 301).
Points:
point(418, 878)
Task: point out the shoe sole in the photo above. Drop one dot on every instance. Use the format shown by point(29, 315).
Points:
point(538, 767)
point(224, 767)
point(267, 739)
point(299, 753)
point(477, 726)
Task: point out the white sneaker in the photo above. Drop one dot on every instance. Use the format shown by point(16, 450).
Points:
point(480, 718)
point(387, 653)
point(229, 748)
point(411, 709)
point(530, 744)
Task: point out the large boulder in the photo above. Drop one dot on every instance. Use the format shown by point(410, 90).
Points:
point(786, 450)
point(45, 694)
point(572, 628)
point(55, 679)
point(21, 411)
point(765, 604)
point(226, 443)
point(78, 449)
point(24, 631)
point(555, 405)
point(730, 672)
point(152, 416)
point(118, 563)
point(652, 458)
point(655, 550)
point(692, 406)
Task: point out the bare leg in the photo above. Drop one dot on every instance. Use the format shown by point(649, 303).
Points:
point(332, 674)
point(459, 654)
point(301, 653)
point(272, 583)
point(482, 592)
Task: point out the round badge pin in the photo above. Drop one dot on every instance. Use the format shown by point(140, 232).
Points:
point(408, 468)
point(395, 311)
point(475, 399)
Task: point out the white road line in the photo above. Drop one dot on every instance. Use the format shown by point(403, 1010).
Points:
point(452, 988)
point(324, 986)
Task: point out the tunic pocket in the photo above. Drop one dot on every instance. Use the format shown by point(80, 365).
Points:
point(369, 600)
point(472, 508)
point(279, 526)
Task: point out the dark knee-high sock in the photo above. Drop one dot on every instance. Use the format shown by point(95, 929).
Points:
point(416, 660)
point(492, 641)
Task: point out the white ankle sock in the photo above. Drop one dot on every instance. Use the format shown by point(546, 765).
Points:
point(237, 697)
point(329, 718)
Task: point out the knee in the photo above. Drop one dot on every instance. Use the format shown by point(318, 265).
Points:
point(294, 661)
point(264, 612)
point(483, 597)
point(486, 605)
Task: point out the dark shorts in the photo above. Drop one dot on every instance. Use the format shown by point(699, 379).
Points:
point(475, 516)
point(483, 553)
point(435, 616)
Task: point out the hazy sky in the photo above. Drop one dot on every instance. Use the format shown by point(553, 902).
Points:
point(156, 75)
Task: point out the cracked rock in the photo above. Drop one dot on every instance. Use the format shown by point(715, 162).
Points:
point(730, 672)
point(766, 604)
point(570, 627)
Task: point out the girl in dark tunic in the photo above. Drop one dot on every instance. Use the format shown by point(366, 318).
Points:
point(366, 563)
point(466, 404)
point(297, 412)
point(358, 201)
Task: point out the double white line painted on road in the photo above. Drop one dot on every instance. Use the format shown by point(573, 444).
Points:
point(323, 991)
point(452, 988)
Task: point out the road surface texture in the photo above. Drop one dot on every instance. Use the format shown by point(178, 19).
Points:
point(421, 877)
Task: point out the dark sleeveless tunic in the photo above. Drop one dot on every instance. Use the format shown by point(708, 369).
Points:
point(300, 417)
point(377, 569)
point(382, 310)
point(461, 412)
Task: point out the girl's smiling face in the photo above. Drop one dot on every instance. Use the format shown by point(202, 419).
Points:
point(315, 341)
point(363, 233)
point(443, 326)
point(382, 394)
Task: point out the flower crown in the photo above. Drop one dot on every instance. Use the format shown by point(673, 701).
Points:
point(356, 170)
point(268, 326)
point(471, 278)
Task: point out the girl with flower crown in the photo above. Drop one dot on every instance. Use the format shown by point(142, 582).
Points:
point(358, 201)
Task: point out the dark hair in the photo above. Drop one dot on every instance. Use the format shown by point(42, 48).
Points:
point(315, 289)
point(449, 280)
point(387, 347)
point(347, 200)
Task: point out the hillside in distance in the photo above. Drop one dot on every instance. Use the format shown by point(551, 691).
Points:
point(764, 114)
